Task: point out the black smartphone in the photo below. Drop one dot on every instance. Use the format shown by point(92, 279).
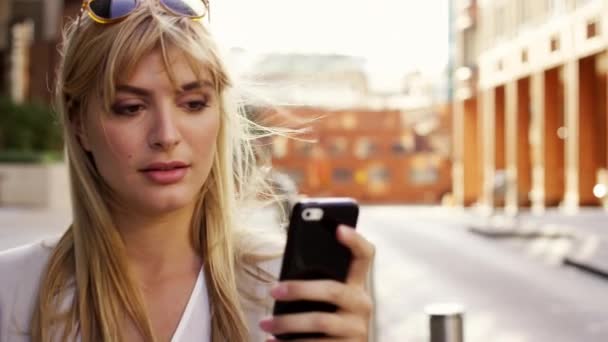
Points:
point(313, 251)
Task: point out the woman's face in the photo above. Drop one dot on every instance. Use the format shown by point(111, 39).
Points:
point(156, 147)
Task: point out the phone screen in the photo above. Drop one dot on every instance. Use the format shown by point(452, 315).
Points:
point(313, 251)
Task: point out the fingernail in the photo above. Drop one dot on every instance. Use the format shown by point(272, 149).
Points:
point(279, 291)
point(266, 324)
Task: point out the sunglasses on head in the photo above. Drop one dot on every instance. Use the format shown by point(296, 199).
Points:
point(110, 11)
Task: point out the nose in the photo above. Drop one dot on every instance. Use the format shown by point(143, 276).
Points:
point(164, 134)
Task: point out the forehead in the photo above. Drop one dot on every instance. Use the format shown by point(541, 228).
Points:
point(162, 69)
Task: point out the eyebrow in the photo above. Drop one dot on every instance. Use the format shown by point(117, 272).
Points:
point(144, 92)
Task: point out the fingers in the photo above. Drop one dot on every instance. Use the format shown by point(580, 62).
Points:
point(347, 298)
point(351, 321)
point(310, 322)
point(362, 251)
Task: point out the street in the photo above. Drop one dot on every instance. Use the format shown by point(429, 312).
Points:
point(425, 255)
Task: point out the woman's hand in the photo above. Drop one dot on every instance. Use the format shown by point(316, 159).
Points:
point(351, 321)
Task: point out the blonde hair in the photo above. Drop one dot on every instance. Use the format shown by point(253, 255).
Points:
point(91, 256)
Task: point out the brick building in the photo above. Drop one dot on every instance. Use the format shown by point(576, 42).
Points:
point(372, 155)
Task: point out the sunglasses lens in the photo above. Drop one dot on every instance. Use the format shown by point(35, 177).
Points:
point(112, 9)
point(188, 8)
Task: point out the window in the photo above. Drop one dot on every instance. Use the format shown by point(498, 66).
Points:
point(349, 121)
point(581, 3)
point(338, 146)
point(279, 147)
point(525, 12)
point(364, 148)
point(592, 28)
point(554, 43)
point(424, 170)
point(342, 175)
point(499, 20)
point(303, 148)
point(424, 176)
point(469, 49)
point(556, 6)
point(398, 148)
point(378, 174)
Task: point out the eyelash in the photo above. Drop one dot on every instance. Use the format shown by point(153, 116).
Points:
point(201, 105)
point(124, 110)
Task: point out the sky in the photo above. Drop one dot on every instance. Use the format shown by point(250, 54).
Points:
point(392, 35)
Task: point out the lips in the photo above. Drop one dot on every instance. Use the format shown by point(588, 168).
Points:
point(160, 166)
point(166, 173)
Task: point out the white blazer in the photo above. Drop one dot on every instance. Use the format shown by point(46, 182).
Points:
point(21, 269)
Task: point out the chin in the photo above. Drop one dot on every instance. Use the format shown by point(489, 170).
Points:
point(167, 202)
point(166, 207)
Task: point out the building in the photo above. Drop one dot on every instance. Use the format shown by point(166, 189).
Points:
point(29, 34)
point(379, 147)
point(530, 103)
point(372, 155)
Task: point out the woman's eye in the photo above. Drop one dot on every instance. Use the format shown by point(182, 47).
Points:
point(195, 106)
point(129, 109)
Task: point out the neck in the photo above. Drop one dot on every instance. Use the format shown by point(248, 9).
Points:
point(159, 247)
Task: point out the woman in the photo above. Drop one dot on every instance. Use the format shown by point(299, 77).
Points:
point(160, 162)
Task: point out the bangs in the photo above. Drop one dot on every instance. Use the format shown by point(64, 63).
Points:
point(145, 32)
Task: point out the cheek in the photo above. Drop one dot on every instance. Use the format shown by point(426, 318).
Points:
point(113, 149)
point(204, 136)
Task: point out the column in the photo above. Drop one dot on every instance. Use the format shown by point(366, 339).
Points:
point(571, 98)
point(537, 129)
point(511, 147)
point(487, 111)
point(458, 152)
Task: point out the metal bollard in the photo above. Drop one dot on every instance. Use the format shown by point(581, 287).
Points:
point(446, 322)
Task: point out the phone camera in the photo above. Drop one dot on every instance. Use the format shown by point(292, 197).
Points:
point(312, 214)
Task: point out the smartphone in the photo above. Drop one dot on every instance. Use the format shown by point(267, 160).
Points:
point(313, 251)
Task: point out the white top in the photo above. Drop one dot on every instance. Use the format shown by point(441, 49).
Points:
point(21, 269)
point(194, 324)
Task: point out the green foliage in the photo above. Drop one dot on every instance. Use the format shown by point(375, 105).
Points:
point(12, 156)
point(29, 132)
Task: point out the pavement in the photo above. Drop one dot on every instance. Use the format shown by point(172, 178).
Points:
point(579, 240)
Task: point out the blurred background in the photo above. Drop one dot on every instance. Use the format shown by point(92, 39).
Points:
point(473, 133)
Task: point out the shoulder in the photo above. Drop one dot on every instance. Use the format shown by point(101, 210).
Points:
point(24, 261)
point(27, 253)
point(21, 269)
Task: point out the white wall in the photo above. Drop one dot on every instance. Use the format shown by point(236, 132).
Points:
point(33, 185)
